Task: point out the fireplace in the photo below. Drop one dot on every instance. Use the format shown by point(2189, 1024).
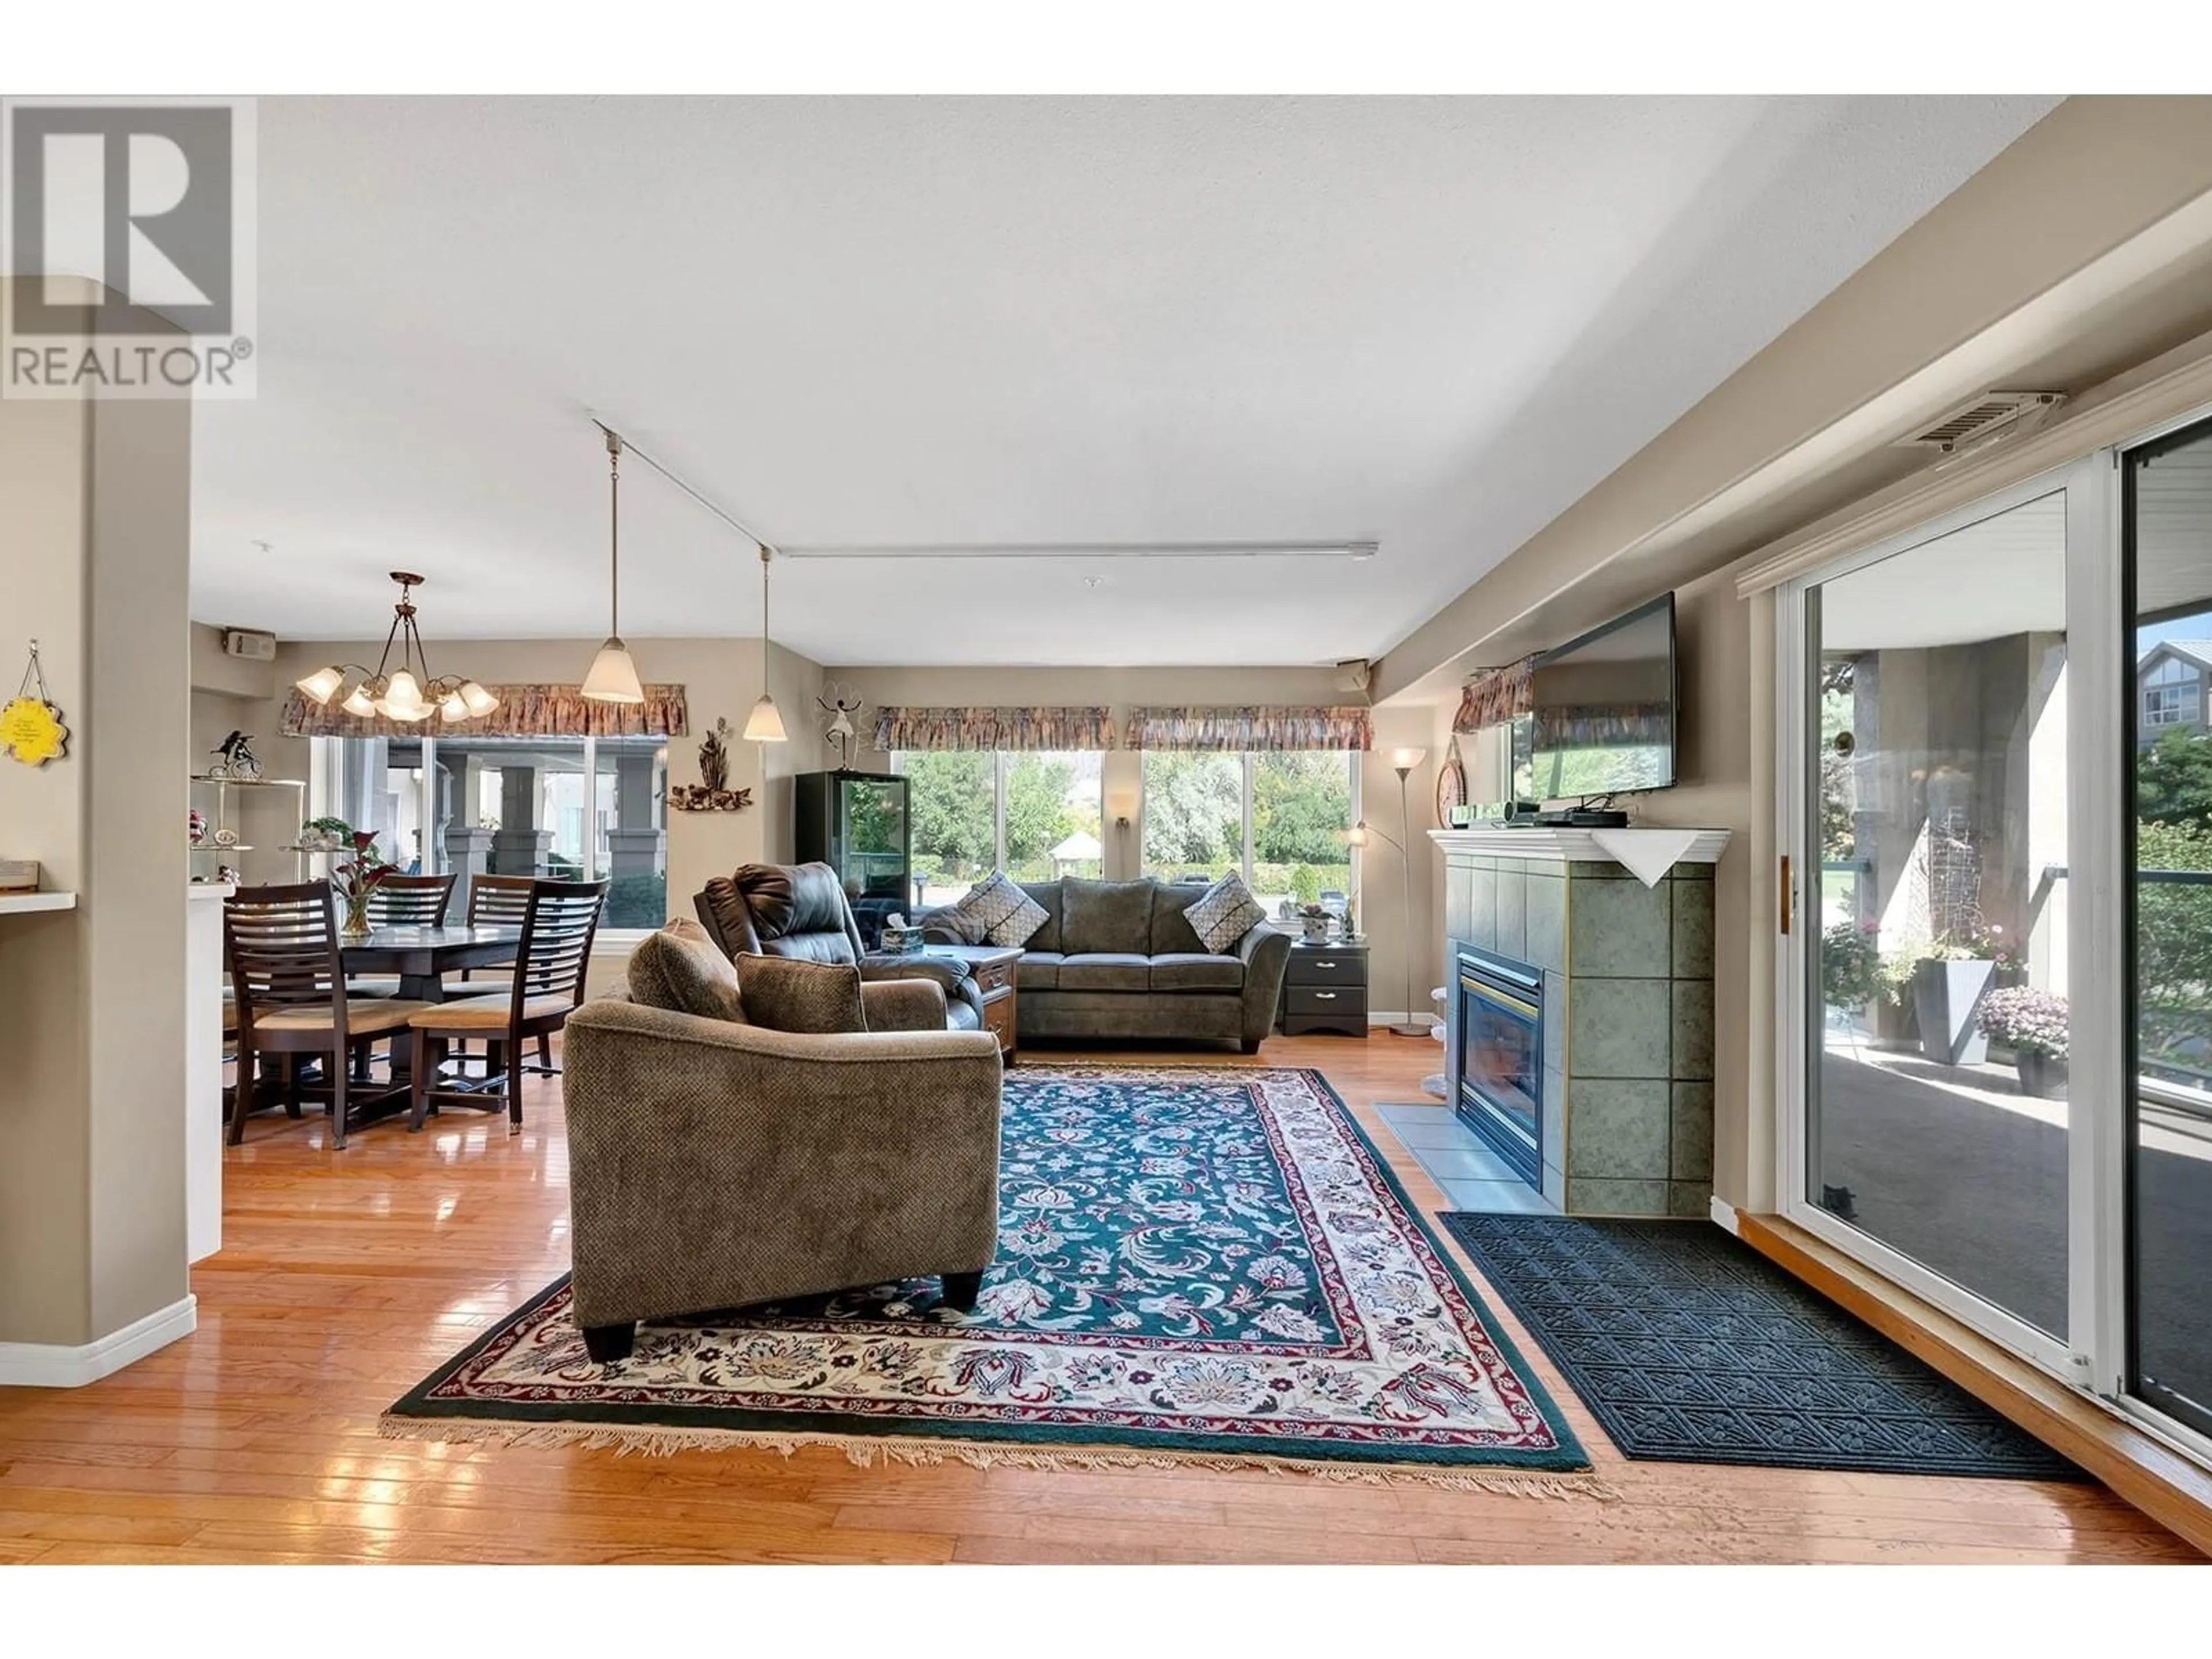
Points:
point(1494, 1049)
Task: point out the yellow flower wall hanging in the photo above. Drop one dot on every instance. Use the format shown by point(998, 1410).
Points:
point(31, 729)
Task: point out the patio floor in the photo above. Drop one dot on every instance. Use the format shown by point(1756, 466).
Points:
point(1954, 1166)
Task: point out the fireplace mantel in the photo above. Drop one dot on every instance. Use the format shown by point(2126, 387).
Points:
point(1565, 845)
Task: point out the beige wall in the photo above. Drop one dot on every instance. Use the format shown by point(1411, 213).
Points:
point(721, 677)
point(94, 508)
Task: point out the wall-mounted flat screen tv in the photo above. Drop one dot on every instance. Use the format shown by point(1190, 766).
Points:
point(1606, 715)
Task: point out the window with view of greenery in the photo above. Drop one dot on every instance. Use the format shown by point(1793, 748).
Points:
point(1198, 808)
point(1051, 816)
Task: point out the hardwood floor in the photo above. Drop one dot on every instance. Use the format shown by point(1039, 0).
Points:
point(346, 1277)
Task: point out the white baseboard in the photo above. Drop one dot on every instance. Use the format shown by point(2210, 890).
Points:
point(57, 1366)
point(1385, 1017)
point(1723, 1214)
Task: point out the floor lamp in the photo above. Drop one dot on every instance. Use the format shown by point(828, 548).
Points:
point(1402, 761)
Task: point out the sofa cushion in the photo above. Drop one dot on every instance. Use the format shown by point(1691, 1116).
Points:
point(1225, 913)
point(1191, 970)
point(1038, 971)
point(1007, 914)
point(679, 969)
point(1105, 971)
point(1172, 933)
point(786, 993)
point(1106, 916)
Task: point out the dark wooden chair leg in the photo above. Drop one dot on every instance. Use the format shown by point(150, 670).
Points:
point(961, 1291)
point(513, 1086)
point(287, 1069)
point(545, 1049)
point(242, 1093)
point(418, 1083)
point(608, 1343)
point(339, 1080)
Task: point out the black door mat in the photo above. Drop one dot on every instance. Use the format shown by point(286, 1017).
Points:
point(1688, 1346)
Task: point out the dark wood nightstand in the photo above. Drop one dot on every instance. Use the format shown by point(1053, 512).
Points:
point(993, 966)
point(1325, 989)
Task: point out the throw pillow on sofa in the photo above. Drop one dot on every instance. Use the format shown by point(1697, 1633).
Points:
point(1223, 914)
point(788, 993)
point(679, 969)
point(1005, 914)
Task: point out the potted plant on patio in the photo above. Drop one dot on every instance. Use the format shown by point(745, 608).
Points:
point(2033, 1025)
point(1949, 980)
point(1851, 964)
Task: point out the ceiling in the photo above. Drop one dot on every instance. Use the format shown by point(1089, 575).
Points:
point(1001, 323)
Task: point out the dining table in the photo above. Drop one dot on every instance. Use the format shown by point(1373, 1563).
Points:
point(421, 958)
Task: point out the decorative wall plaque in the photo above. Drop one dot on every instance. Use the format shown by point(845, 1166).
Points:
point(31, 729)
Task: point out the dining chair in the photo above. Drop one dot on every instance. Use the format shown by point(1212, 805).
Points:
point(402, 902)
point(281, 943)
point(495, 901)
point(410, 901)
point(558, 924)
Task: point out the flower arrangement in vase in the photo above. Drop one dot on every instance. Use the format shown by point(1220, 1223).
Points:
point(353, 880)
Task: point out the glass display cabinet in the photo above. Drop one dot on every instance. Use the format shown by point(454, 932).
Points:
point(858, 824)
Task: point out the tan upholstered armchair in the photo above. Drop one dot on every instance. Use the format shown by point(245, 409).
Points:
point(801, 911)
point(713, 1164)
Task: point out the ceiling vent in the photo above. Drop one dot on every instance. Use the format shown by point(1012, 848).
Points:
point(1981, 417)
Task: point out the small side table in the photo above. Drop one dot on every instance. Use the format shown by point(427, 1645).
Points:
point(1325, 989)
point(993, 966)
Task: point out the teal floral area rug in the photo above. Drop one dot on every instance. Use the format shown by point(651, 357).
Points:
point(1196, 1265)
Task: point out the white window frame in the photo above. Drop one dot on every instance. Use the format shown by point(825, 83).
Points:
point(324, 763)
point(1246, 757)
point(999, 767)
point(2091, 1355)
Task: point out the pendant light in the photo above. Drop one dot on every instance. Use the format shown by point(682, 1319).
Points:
point(614, 677)
point(765, 723)
point(403, 695)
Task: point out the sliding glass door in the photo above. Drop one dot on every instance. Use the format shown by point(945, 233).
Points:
point(1932, 837)
point(2167, 548)
point(1994, 1007)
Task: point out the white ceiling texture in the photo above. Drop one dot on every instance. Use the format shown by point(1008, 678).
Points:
point(1002, 324)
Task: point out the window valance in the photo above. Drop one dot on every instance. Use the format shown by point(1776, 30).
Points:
point(524, 711)
point(1496, 696)
point(1265, 728)
point(1625, 724)
point(987, 728)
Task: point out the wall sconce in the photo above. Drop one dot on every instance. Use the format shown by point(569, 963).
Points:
point(1121, 807)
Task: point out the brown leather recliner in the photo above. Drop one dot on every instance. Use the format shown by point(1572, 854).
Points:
point(800, 910)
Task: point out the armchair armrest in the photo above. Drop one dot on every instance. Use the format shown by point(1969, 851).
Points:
point(715, 1164)
point(901, 1005)
point(954, 977)
point(1267, 957)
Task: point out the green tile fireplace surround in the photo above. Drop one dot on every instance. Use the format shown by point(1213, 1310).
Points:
point(1627, 1009)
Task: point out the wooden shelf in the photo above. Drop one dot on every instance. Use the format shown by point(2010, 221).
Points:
point(13, 905)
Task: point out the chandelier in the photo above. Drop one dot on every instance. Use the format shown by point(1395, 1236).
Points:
point(405, 694)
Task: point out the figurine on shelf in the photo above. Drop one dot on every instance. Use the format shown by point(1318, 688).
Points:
point(236, 760)
point(196, 827)
point(714, 758)
point(229, 872)
point(838, 705)
point(711, 793)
